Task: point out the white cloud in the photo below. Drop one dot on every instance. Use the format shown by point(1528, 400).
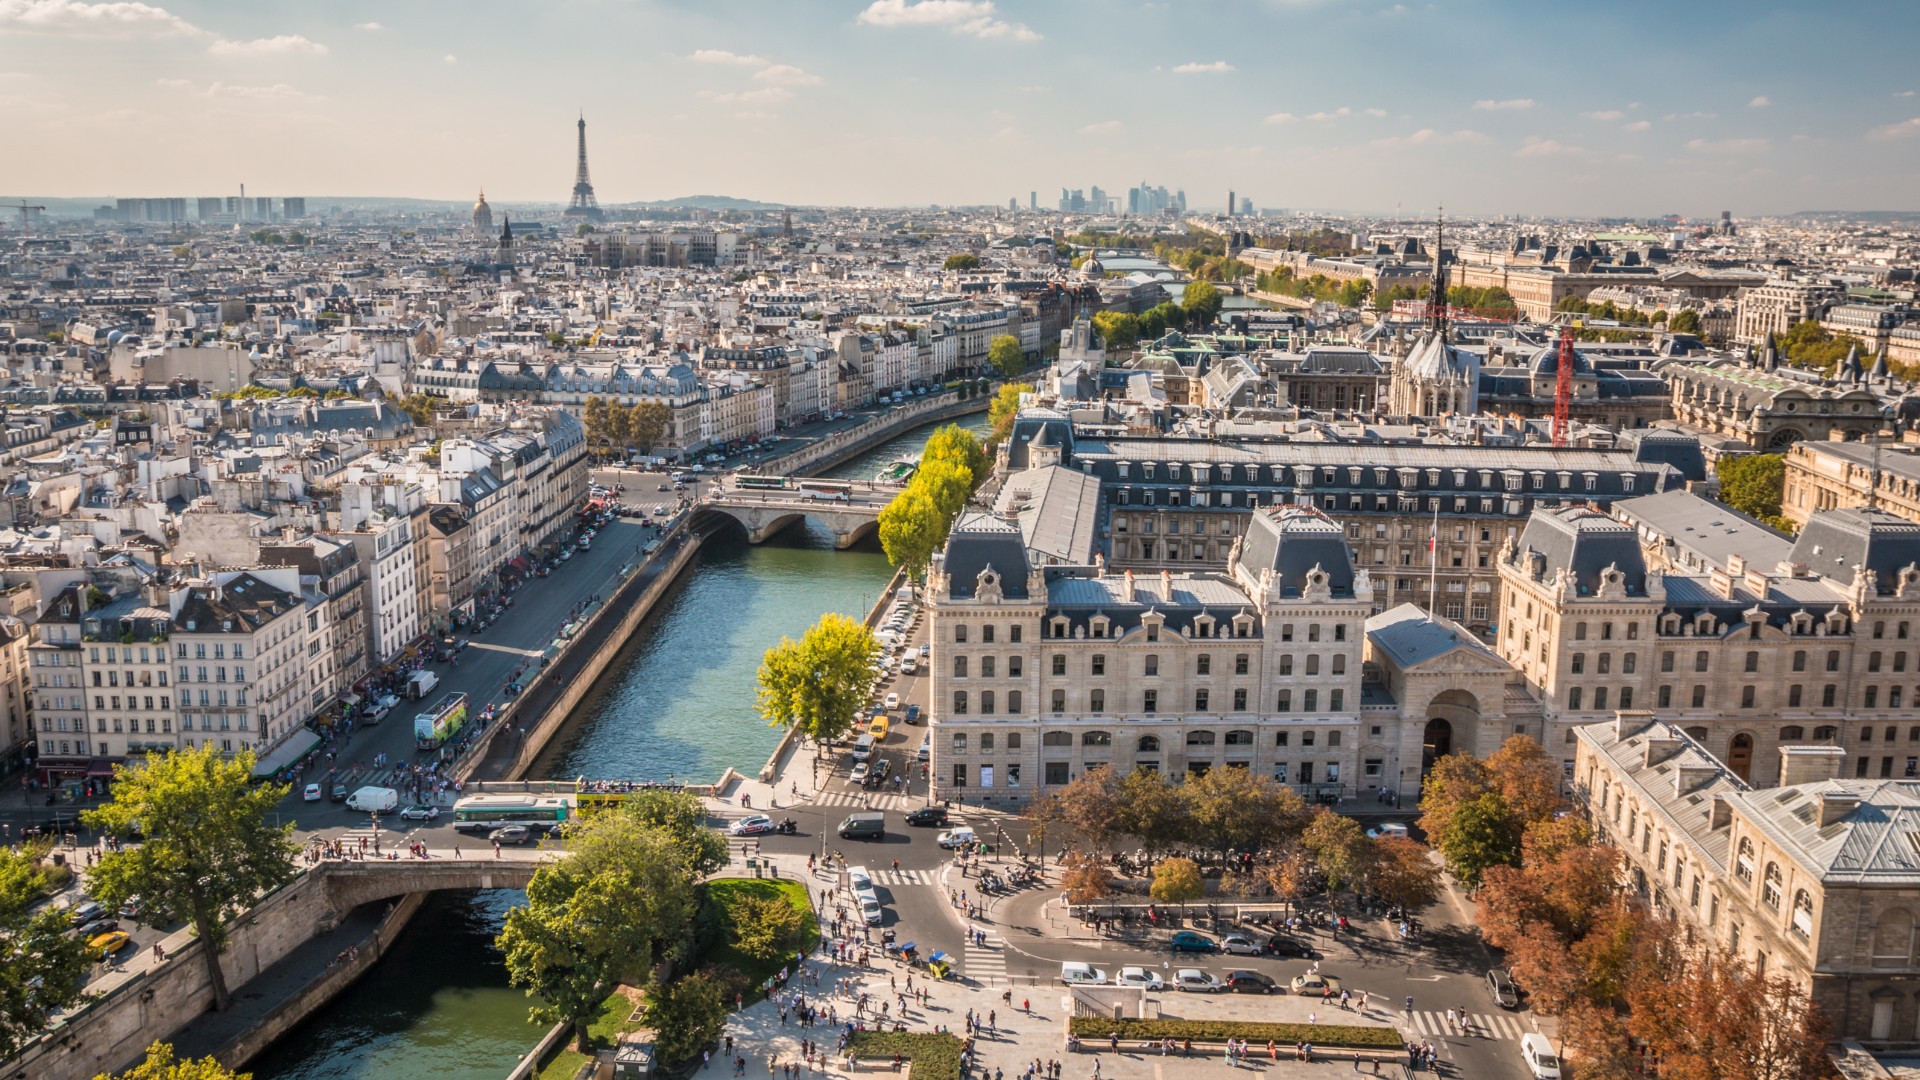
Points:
point(722, 56)
point(1604, 114)
point(1535, 146)
point(1217, 67)
point(1760, 102)
point(275, 92)
point(786, 75)
point(284, 45)
point(449, 59)
point(1430, 137)
point(1506, 105)
point(117, 19)
point(1672, 116)
point(1377, 114)
point(1637, 125)
point(1727, 146)
point(1905, 129)
point(1281, 118)
point(1331, 115)
point(368, 26)
point(1104, 127)
point(764, 95)
point(977, 18)
point(1906, 93)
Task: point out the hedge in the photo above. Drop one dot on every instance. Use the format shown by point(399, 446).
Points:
point(929, 1056)
point(1095, 1029)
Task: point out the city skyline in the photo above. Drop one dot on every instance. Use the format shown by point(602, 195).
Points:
point(1363, 106)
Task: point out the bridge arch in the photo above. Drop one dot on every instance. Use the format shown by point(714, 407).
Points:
point(351, 884)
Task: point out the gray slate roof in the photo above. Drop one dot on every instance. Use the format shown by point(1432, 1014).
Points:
point(979, 541)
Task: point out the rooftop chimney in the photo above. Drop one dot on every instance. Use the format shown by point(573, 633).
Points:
point(1691, 775)
point(1660, 749)
point(1810, 764)
point(1721, 814)
point(1835, 805)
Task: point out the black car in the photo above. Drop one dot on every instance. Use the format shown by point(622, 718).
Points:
point(928, 815)
point(339, 793)
point(1282, 945)
point(1249, 982)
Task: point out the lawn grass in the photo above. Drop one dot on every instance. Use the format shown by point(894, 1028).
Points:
point(1093, 1031)
point(614, 1020)
point(929, 1056)
point(723, 892)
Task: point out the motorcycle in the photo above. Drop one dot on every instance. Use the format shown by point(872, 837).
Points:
point(787, 826)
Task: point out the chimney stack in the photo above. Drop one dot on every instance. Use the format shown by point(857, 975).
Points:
point(1835, 805)
point(1810, 764)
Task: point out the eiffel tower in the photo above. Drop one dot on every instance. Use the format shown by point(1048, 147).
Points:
point(584, 205)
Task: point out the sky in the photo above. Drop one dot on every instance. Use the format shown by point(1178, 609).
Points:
point(1529, 107)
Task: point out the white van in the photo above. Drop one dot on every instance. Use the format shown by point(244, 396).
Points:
point(1074, 973)
point(1537, 1052)
point(863, 747)
point(374, 800)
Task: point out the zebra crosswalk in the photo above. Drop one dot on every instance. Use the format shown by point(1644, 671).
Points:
point(984, 963)
point(904, 877)
point(1478, 1025)
point(865, 800)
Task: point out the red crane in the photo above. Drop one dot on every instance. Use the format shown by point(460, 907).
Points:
point(1563, 389)
point(26, 219)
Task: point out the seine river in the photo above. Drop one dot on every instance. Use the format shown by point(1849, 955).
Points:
point(678, 702)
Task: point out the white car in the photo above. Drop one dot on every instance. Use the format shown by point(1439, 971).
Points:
point(1388, 829)
point(859, 880)
point(1537, 1052)
point(892, 702)
point(1195, 981)
point(1239, 945)
point(870, 909)
point(1074, 973)
point(908, 664)
point(1140, 977)
point(751, 825)
point(954, 838)
point(420, 813)
point(311, 794)
point(860, 771)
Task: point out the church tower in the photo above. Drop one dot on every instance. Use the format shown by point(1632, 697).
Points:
point(503, 252)
point(482, 216)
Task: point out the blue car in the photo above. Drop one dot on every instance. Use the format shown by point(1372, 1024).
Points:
point(1188, 941)
point(913, 714)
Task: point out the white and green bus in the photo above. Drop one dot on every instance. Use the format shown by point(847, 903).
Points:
point(485, 813)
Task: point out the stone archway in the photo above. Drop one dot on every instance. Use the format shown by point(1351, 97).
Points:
point(1740, 756)
point(1453, 720)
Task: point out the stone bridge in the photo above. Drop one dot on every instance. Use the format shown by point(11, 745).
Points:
point(849, 515)
point(351, 883)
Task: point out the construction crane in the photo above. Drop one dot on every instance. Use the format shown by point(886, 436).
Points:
point(1563, 389)
point(26, 219)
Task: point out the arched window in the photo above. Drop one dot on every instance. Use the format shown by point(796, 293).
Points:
point(1239, 738)
point(1096, 738)
point(1792, 733)
point(1892, 939)
point(1743, 862)
point(1199, 738)
point(1802, 920)
point(1057, 738)
point(1148, 744)
point(1825, 733)
point(1770, 887)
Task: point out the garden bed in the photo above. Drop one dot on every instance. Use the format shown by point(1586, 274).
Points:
point(929, 1056)
point(1094, 1030)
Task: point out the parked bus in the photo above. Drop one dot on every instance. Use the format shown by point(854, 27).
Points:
point(432, 729)
point(484, 813)
point(774, 483)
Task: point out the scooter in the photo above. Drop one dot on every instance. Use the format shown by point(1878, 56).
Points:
point(787, 826)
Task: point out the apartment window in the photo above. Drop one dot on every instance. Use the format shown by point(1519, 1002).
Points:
point(1665, 697)
point(959, 703)
point(1284, 704)
point(1059, 702)
point(1666, 661)
point(1700, 660)
point(1240, 700)
point(1150, 701)
point(1699, 697)
point(1286, 666)
point(1309, 701)
point(986, 634)
point(1240, 664)
point(1800, 660)
point(959, 667)
point(1098, 664)
point(1013, 633)
point(1869, 697)
point(1626, 697)
point(986, 667)
point(1203, 664)
point(1573, 699)
point(960, 633)
point(986, 703)
point(1015, 669)
point(1578, 665)
point(1152, 665)
point(1335, 700)
point(1826, 696)
point(1059, 665)
point(1833, 661)
point(1793, 696)
point(1199, 701)
point(1097, 700)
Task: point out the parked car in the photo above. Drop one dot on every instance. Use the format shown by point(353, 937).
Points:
point(1239, 945)
point(1250, 982)
point(1388, 829)
point(751, 825)
point(85, 912)
point(1140, 977)
point(510, 834)
point(893, 701)
point(1282, 945)
point(1189, 941)
point(312, 793)
point(928, 815)
point(954, 838)
point(859, 879)
point(132, 908)
point(926, 748)
point(112, 942)
point(89, 931)
point(1075, 973)
point(1195, 981)
point(1537, 1052)
point(420, 813)
point(871, 910)
point(1314, 984)
point(1500, 986)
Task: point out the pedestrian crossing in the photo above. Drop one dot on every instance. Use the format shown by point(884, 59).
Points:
point(862, 800)
point(984, 964)
point(1479, 1025)
point(904, 877)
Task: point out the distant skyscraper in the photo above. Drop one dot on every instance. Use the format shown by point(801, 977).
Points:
point(1033, 200)
point(583, 204)
point(293, 208)
point(1229, 202)
point(211, 208)
point(1013, 204)
point(1246, 206)
point(1097, 201)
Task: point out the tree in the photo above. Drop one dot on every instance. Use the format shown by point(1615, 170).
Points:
point(1288, 874)
point(681, 818)
point(962, 261)
point(1404, 873)
point(1003, 352)
point(1201, 301)
point(47, 966)
point(912, 528)
point(647, 424)
point(1453, 780)
point(1151, 810)
point(1177, 881)
point(209, 852)
point(1089, 806)
point(1339, 847)
point(597, 918)
point(763, 927)
point(961, 447)
point(1753, 484)
point(1087, 880)
point(1004, 409)
point(1482, 833)
point(1239, 810)
point(820, 681)
point(1685, 321)
point(160, 1064)
point(593, 418)
point(686, 1014)
point(1527, 779)
point(1160, 318)
point(1716, 1019)
point(1117, 329)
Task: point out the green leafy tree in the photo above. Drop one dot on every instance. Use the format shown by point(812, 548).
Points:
point(1177, 881)
point(1201, 301)
point(418, 407)
point(1003, 352)
point(1685, 321)
point(687, 1015)
point(1003, 410)
point(1753, 484)
point(1403, 873)
point(1339, 848)
point(597, 918)
point(647, 424)
point(1160, 318)
point(1481, 834)
point(681, 818)
point(210, 851)
point(962, 261)
point(820, 681)
point(956, 444)
point(1240, 810)
point(1151, 809)
point(763, 928)
point(912, 528)
point(160, 1064)
point(1117, 329)
point(1088, 807)
point(46, 966)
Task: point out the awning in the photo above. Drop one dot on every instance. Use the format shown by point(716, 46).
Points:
point(100, 767)
point(519, 562)
point(296, 745)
